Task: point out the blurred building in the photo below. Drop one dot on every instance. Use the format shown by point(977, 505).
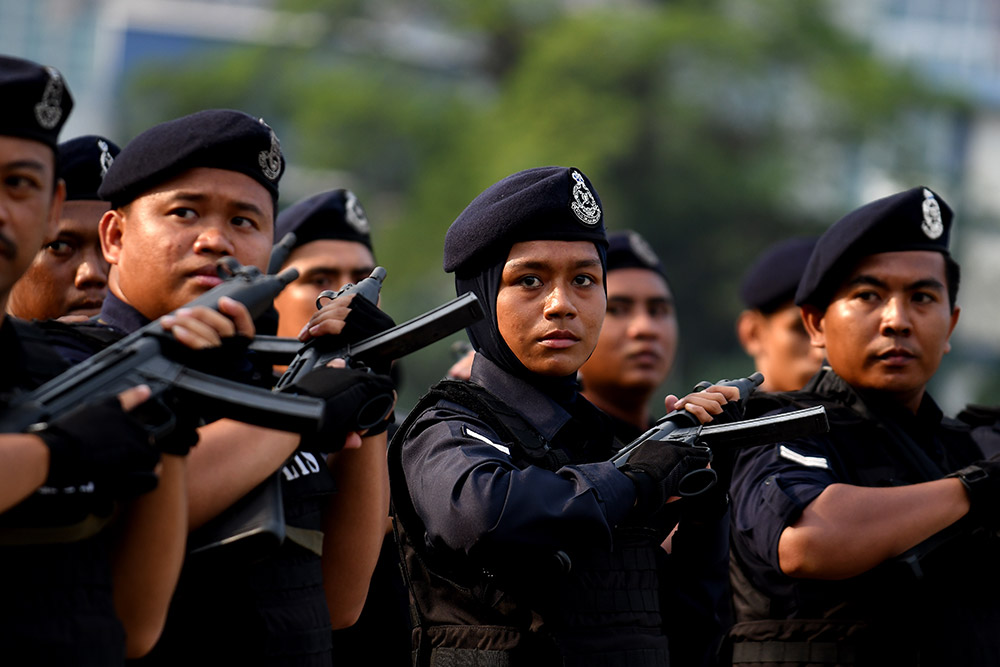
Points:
point(955, 44)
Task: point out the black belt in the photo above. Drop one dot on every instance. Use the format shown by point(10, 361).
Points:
point(804, 652)
point(469, 657)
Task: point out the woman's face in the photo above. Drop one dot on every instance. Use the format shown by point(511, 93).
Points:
point(551, 304)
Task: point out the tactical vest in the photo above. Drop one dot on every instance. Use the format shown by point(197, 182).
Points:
point(49, 516)
point(56, 573)
point(862, 630)
point(263, 603)
point(985, 424)
point(474, 614)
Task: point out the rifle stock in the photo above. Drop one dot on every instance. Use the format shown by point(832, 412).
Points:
point(143, 358)
point(394, 343)
point(681, 428)
point(736, 435)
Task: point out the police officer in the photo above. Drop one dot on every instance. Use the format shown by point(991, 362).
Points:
point(634, 353)
point(69, 276)
point(333, 247)
point(183, 195)
point(770, 328)
point(507, 506)
point(873, 544)
point(638, 339)
point(78, 588)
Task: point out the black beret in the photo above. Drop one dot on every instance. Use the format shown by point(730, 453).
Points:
point(628, 250)
point(771, 281)
point(35, 101)
point(913, 220)
point(335, 215)
point(545, 203)
point(216, 138)
point(83, 162)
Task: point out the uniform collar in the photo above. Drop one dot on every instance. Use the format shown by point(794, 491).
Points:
point(120, 316)
point(873, 404)
point(537, 407)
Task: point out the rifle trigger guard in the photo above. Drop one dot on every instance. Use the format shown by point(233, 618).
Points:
point(325, 294)
point(331, 295)
point(697, 482)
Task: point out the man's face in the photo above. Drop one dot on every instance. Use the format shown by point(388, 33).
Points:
point(163, 247)
point(69, 275)
point(322, 265)
point(638, 341)
point(888, 325)
point(29, 205)
point(780, 347)
point(551, 304)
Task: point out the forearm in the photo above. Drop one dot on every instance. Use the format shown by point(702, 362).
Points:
point(24, 465)
point(231, 458)
point(149, 555)
point(847, 530)
point(354, 527)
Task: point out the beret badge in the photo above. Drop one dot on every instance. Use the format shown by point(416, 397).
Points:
point(49, 110)
point(642, 249)
point(584, 204)
point(270, 160)
point(932, 224)
point(354, 214)
point(106, 158)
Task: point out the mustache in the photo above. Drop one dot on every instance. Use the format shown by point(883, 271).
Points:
point(8, 249)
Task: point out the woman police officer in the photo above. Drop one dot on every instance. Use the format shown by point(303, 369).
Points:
point(522, 543)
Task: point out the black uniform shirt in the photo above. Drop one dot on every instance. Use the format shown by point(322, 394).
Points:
point(58, 608)
point(470, 493)
point(872, 443)
point(269, 610)
point(482, 504)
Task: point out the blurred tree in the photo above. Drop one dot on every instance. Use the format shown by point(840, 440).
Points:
point(712, 128)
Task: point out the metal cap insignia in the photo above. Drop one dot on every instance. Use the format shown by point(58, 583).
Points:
point(354, 214)
point(49, 111)
point(932, 224)
point(584, 204)
point(270, 160)
point(642, 249)
point(106, 159)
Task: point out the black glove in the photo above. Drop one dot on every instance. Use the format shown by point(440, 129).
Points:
point(660, 470)
point(706, 507)
point(100, 442)
point(982, 483)
point(364, 320)
point(732, 411)
point(355, 400)
point(230, 360)
point(172, 428)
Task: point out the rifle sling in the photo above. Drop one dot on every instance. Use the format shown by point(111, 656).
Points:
point(84, 529)
point(306, 538)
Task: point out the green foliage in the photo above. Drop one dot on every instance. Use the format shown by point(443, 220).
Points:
point(703, 125)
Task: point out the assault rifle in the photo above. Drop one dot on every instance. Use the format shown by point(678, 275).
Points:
point(682, 428)
point(255, 525)
point(399, 341)
point(146, 357)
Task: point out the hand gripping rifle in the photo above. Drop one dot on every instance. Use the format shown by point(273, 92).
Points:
point(380, 348)
point(256, 523)
point(680, 427)
point(145, 357)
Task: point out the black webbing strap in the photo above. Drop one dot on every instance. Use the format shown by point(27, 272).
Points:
point(817, 653)
point(468, 657)
point(504, 420)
